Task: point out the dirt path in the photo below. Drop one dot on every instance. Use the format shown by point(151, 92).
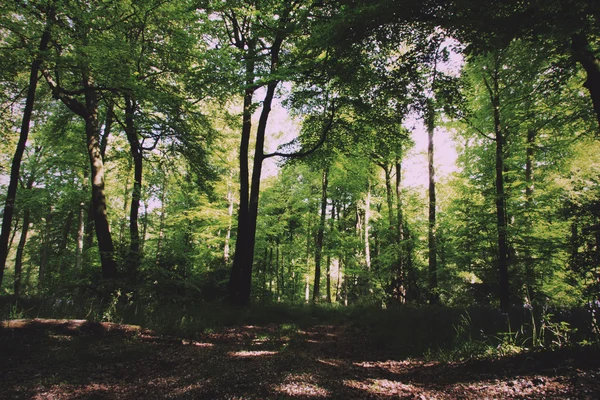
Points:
point(59, 359)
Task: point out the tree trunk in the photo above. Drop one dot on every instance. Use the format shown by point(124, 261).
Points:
point(403, 253)
point(367, 221)
point(240, 257)
point(80, 232)
point(320, 234)
point(9, 205)
point(244, 253)
point(229, 226)
point(500, 197)
point(136, 195)
point(45, 255)
point(329, 256)
point(432, 245)
point(529, 186)
point(161, 223)
point(20, 251)
point(103, 235)
point(585, 56)
point(65, 241)
point(388, 194)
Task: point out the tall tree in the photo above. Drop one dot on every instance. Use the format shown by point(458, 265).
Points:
point(9, 205)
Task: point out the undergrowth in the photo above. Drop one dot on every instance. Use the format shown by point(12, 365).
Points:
point(438, 333)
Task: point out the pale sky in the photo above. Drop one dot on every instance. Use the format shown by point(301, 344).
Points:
point(281, 129)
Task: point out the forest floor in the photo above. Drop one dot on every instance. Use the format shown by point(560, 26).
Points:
point(76, 359)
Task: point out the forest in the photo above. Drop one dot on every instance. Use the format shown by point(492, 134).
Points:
point(176, 163)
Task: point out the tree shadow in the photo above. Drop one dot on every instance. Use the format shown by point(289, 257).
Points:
point(81, 360)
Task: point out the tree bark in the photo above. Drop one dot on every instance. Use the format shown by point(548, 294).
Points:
point(500, 195)
point(230, 205)
point(432, 245)
point(9, 205)
point(583, 54)
point(135, 148)
point(529, 187)
point(20, 251)
point(80, 232)
point(403, 252)
point(103, 235)
point(367, 221)
point(240, 257)
point(320, 234)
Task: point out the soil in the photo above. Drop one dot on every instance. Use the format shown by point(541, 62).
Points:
point(77, 359)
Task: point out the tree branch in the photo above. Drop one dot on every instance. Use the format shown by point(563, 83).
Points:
point(316, 147)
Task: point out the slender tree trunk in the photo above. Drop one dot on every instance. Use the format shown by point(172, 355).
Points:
point(45, 256)
point(500, 197)
point(367, 221)
point(65, 241)
point(161, 224)
point(136, 195)
point(432, 245)
point(9, 205)
point(144, 227)
point(229, 226)
point(529, 187)
point(402, 250)
point(80, 232)
point(20, 252)
point(15, 229)
point(320, 234)
point(388, 195)
point(329, 256)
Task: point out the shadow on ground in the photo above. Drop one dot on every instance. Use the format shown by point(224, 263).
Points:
point(76, 359)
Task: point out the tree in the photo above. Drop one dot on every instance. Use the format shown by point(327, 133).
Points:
point(9, 205)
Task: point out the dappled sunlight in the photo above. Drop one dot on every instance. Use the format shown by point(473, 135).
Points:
point(301, 385)
point(390, 388)
point(196, 344)
point(394, 366)
point(331, 362)
point(248, 354)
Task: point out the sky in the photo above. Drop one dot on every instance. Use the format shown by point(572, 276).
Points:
point(282, 129)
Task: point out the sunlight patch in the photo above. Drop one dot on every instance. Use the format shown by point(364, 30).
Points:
point(330, 361)
point(246, 354)
point(379, 386)
point(301, 385)
point(197, 344)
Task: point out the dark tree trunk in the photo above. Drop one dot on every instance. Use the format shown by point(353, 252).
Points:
point(432, 245)
point(329, 257)
point(320, 234)
point(9, 205)
point(241, 245)
point(65, 240)
point(500, 197)
point(80, 233)
point(103, 235)
point(402, 250)
point(585, 56)
point(136, 153)
point(20, 251)
point(529, 186)
point(45, 256)
point(388, 195)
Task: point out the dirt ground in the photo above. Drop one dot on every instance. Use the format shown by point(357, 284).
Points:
point(75, 359)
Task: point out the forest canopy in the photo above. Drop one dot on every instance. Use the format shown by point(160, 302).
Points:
point(135, 136)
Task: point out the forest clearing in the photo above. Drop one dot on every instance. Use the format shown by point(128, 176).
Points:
point(299, 198)
point(412, 354)
point(61, 359)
